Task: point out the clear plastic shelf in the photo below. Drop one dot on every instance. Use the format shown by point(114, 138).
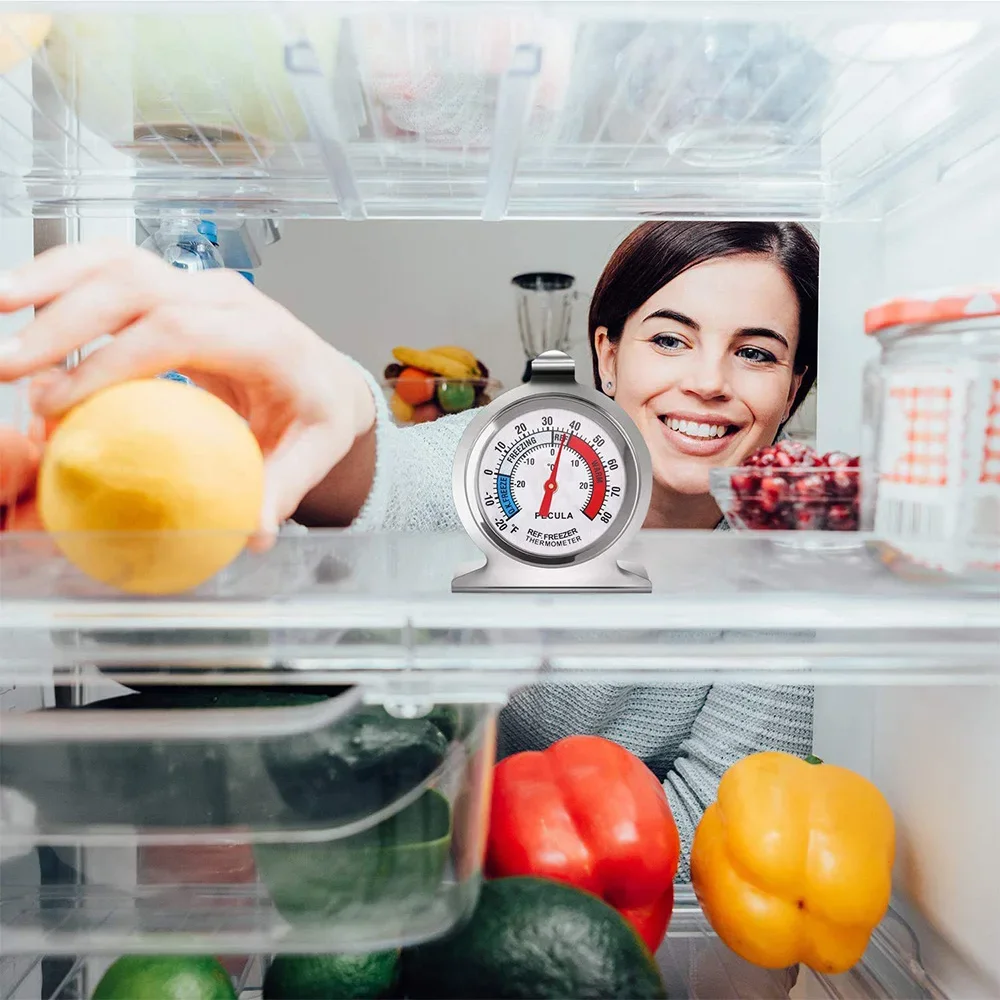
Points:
point(805, 112)
point(333, 607)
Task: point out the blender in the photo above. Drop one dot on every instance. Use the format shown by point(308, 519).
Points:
point(544, 310)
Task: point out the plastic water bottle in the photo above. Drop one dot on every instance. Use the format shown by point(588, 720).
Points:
point(186, 242)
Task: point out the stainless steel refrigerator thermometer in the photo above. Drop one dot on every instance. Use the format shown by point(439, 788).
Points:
point(551, 480)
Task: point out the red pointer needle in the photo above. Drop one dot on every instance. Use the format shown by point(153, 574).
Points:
point(550, 484)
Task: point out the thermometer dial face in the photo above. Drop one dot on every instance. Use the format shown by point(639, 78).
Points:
point(551, 481)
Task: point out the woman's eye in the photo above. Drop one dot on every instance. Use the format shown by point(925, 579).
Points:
point(757, 355)
point(668, 341)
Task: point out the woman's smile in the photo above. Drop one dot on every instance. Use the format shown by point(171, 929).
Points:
point(698, 435)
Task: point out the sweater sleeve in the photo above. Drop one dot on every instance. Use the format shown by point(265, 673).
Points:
point(736, 720)
point(412, 488)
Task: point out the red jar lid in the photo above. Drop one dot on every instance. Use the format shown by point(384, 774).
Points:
point(934, 307)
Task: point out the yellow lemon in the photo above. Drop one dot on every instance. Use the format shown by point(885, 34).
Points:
point(151, 486)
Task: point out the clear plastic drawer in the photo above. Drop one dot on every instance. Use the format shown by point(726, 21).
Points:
point(266, 818)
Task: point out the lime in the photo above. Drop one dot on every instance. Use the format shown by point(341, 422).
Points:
point(456, 396)
point(165, 977)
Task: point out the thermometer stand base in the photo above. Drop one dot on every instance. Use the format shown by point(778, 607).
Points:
point(596, 577)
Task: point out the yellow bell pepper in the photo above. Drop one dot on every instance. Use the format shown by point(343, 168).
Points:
point(793, 862)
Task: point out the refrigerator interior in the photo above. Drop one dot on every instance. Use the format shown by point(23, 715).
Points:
point(879, 128)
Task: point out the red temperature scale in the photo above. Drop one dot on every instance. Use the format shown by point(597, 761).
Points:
point(551, 481)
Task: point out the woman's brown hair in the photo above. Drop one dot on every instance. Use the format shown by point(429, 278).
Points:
point(657, 252)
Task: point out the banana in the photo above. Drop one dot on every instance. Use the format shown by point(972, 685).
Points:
point(400, 409)
point(432, 361)
point(459, 354)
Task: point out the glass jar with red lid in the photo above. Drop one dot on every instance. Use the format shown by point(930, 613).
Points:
point(931, 458)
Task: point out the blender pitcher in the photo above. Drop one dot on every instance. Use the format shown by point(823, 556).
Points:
point(544, 310)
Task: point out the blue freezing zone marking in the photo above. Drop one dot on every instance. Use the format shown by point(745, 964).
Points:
point(506, 500)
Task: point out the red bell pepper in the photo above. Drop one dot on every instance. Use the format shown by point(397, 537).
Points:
point(589, 813)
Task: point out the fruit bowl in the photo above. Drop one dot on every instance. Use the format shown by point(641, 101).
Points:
point(422, 385)
point(444, 397)
point(789, 487)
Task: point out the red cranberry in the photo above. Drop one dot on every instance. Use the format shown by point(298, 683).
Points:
point(811, 487)
point(773, 489)
point(841, 517)
point(842, 482)
point(802, 453)
point(790, 447)
point(750, 513)
point(854, 463)
point(835, 459)
point(809, 516)
point(744, 484)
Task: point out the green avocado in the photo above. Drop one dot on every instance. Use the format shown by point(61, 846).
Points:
point(332, 977)
point(165, 977)
point(394, 866)
point(354, 767)
point(535, 939)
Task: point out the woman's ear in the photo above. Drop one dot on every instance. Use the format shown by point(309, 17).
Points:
point(606, 357)
point(793, 391)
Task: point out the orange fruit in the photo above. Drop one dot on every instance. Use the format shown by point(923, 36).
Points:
point(414, 386)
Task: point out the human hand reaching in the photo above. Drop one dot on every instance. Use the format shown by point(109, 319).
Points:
point(305, 402)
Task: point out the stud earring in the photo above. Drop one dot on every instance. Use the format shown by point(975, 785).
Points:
point(609, 384)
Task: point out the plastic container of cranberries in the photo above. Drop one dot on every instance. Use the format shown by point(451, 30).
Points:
point(789, 487)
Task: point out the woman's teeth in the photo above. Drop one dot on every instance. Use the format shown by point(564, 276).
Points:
point(694, 430)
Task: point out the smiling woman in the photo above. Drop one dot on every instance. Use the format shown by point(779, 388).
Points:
point(705, 333)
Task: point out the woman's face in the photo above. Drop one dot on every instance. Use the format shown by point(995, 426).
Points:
point(705, 367)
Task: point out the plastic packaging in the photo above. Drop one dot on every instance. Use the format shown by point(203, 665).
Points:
point(931, 482)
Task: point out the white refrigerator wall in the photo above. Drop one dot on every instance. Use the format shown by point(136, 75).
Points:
point(934, 752)
point(368, 287)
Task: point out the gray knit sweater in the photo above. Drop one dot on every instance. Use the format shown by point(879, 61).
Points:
point(688, 734)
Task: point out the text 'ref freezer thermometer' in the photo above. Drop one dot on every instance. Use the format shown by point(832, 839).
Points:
point(551, 481)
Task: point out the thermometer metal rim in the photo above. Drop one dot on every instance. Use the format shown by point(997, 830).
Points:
point(592, 568)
